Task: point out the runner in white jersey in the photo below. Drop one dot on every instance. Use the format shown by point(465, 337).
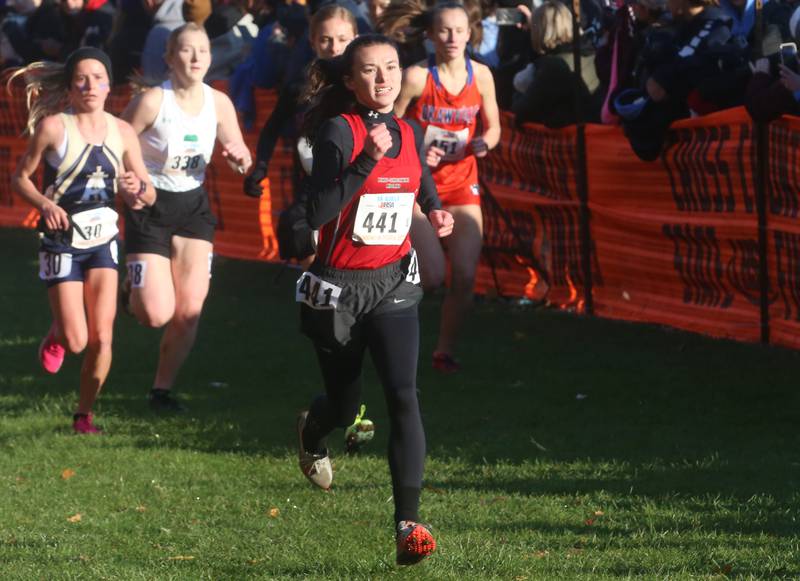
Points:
point(169, 246)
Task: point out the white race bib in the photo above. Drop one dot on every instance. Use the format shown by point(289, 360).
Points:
point(184, 156)
point(93, 227)
point(305, 154)
point(454, 143)
point(412, 274)
point(137, 269)
point(316, 293)
point(383, 218)
point(54, 265)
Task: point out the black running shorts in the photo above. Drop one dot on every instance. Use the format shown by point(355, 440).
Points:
point(361, 293)
point(187, 214)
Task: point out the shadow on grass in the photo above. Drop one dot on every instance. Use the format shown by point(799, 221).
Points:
point(536, 386)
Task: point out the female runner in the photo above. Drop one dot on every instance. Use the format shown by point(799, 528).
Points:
point(362, 290)
point(89, 156)
point(169, 246)
point(449, 91)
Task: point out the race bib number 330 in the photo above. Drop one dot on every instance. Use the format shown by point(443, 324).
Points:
point(383, 218)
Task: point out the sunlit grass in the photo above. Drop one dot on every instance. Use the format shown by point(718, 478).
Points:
point(680, 459)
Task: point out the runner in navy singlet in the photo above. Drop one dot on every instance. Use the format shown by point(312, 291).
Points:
point(90, 156)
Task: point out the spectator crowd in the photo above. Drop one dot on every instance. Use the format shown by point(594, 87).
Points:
point(643, 63)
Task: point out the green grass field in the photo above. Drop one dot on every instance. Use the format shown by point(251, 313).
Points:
point(568, 448)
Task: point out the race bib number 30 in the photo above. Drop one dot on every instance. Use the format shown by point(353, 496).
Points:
point(54, 265)
point(316, 293)
point(93, 227)
point(383, 218)
point(453, 143)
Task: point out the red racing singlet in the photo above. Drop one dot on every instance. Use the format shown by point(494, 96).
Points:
point(372, 230)
point(449, 122)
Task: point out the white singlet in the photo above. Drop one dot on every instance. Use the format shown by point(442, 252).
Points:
point(178, 146)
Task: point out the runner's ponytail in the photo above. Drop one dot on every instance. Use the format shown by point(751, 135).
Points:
point(325, 90)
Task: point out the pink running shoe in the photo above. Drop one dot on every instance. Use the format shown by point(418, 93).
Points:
point(82, 424)
point(444, 363)
point(51, 353)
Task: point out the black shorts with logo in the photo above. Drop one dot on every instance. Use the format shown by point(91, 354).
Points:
point(187, 214)
point(363, 293)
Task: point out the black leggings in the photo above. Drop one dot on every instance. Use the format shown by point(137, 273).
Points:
point(393, 342)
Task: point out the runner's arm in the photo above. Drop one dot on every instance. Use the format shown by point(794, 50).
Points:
point(490, 112)
point(428, 198)
point(143, 193)
point(143, 109)
point(47, 135)
point(413, 85)
point(229, 135)
point(334, 181)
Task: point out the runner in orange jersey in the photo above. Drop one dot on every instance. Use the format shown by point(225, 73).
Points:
point(446, 95)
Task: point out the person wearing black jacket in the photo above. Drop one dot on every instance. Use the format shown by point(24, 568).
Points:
point(55, 29)
point(549, 97)
point(774, 88)
point(331, 29)
point(768, 97)
point(361, 292)
point(691, 56)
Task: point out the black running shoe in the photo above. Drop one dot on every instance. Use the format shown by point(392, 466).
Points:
point(161, 400)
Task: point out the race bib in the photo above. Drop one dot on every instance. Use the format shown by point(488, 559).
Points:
point(454, 143)
point(412, 274)
point(316, 293)
point(54, 265)
point(93, 227)
point(305, 154)
point(383, 218)
point(137, 269)
point(184, 155)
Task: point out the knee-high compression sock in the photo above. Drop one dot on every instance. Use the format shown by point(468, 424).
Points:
point(337, 407)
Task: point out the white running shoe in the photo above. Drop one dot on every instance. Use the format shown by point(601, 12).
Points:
point(316, 467)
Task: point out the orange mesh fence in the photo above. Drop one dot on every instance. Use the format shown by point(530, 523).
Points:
point(673, 241)
point(677, 239)
point(783, 232)
point(530, 212)
point(245, 225)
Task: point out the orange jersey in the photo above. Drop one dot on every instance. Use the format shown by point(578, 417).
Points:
point(449, 122)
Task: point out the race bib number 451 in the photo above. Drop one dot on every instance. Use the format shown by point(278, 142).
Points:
point(316, 293)
point(383, 218)
point(453, 143)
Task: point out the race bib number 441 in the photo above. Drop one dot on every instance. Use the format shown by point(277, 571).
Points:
point(316, 293)
point(383, 218)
